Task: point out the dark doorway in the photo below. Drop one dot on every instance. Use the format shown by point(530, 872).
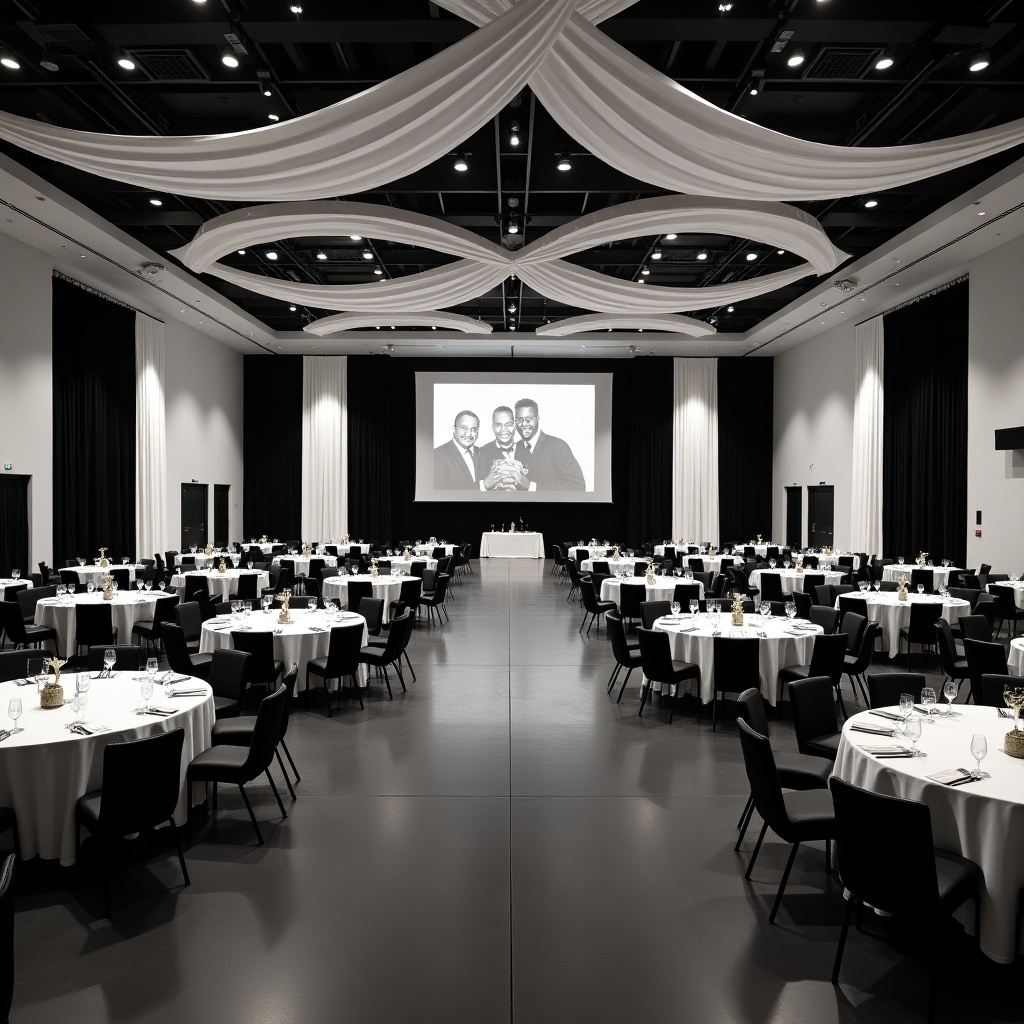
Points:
point(794, 517)
point(194, 503)
point(14, 524)
point(820, 516)
point(220, 514)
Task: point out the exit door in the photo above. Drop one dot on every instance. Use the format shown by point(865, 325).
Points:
point(820, 516)
point(794, 517)
point(194, 503)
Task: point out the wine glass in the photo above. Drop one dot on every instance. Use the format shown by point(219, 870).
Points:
point(786, 564)
point(694, 606)
point(75, 704)
point(920, 588)
point(124, 559)
point(771, 563)
point(878, 585)
point(151, 667)
point(249, 564)
point(790, 610)
point(906, 705)
point(146, 689)
point(912, 730)
point(149, 586)
point(979, 748)
point(71, 590)
point(139, 584)
point(15, 574)
point(901, 560)
point(109, 660)
point(928, 699)
point(675, 607)
point(61, 590)
point(949, 691)
point(14, 711)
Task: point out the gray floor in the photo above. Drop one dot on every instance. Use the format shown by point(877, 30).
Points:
point(503, 842)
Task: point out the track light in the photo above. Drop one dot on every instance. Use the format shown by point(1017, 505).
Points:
point(367, 255)
point(9, 61)
point(513, 139)
point(781, 252)
point(795, 59)
point(377, 270)
point(703, 254)
point(979, 61)
point(511, 307)
point(49, 61)
point(564, 163)
point(356, 238)
point(291, 309)
point(241, 252)
point(645, 270)
point(271, 255)
point(513, 226)
point(126, 62)
point(156, 202)
point(656, 255)
point(228, 59)
point(321, 255)
point(671, 238)
point(461, 164)
point(295, 8)
point(730, 309)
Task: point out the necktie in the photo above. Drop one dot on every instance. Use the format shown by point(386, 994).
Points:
point(529, 447)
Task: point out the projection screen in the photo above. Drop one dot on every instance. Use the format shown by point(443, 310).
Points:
point(495, 437)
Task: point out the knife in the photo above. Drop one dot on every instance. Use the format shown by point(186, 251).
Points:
point(962, 782)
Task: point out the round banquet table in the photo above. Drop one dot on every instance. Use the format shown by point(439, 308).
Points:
point(1015, 658)
point(344, 550)
point(401, 566)
point(222, 584)
point(94, 574)
point(682, 550)
point(590, 551)
point(302, 640)
point(387, 588)
point(983, 821)
point(125, 610)
point(760, 550)
point(428, 549)
point(614, 564)
point(940, 574)
point(201, 561)
point(787, 643)
point(302, 562)
point(8, 582)
point(46, 768)
point(827, 561)
point(1018, 590)
point(793, 581)
point(663, 589)
point(886, 607)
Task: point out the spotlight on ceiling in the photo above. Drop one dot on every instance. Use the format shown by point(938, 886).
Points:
point(645, 270)
point(511, 307)
point(271, 255)
point(751, 255)
point(126, 62)
point(713, 321)
point(295, 8)
point(377, 270)
point(656, 255)
point(461, 164)
point(703, 254)
point(781, 252)
point(49, 60)
point(870, 204)
point(513, 226)
point(671, 237)
point(156, 202)
point(263, 82)
point(9, 60)
point(564, 163)
point(795, 59)
point(291, 309)
point(724, 8)
point(228, 59)
point(241, 252)
point(367, 255)
point(273, 117)
point(884, 62)
point(321, 255)
point(356, 238)
point(730, 309)
point(979, 61)
point(513, 139)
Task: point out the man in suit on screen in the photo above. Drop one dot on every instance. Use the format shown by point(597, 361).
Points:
point(550, 463)
point(457, 465)
point(499, 457)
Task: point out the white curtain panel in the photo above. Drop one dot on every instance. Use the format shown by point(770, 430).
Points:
point(329, 325)
point(150, 438)
point(324, 447)
point(606, 322)
point(621, 109)
point(868, 407)
point(695, 451)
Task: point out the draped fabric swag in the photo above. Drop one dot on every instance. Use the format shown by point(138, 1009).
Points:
point(150, 438)
point(868, 419)
point(324, 447)
point(695, 451)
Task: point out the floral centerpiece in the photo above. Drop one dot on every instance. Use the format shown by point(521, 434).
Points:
point(1014, 698)
point(208, 550)
point(52, 694)
point(223, 565)
point(374, 570)
point(406, 554)
point(104, 561)
point(264, 539)
point(799, 559)
point(285, 596)
point(737, 610)
point(760, 539)
point(902, 594)
point(618, 553)
point(922, 558)
point(305, 550)
point(108, 587)
point(650, 570)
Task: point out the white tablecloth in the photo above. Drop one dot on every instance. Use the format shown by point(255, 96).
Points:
point(95, 574)
point(1015, 658)
point(512, 545)
point(614, 564)
point(783, 646)
point(222, 584)
point(760, 550)
point(125, 610)
point(428, 549)
point(302, 562)
point(201, 560)
point(663, 589)
point(306, 638)
point(681, 550)
point(792, 581)
point(401, 567)
point(940, 575)
point(46, 768)
point(8, 582)
point(833, 559)
point(344, 549)
point(387, 588)
point(886, 607)
point(1018, 590)
point(983, 821)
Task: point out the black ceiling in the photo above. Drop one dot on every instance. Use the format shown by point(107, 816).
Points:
point(333, 49)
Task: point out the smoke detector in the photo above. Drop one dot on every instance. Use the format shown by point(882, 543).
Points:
point(150, 269)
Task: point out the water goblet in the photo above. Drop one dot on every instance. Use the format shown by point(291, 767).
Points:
point(61, 590)
point(148, 584)
point(124, 559)
point(71, 590)
point(109, 660)
point(694, 606)
point(912, 730)
point(949, 691)
point(75, 704)
point(979, 748)
point(15, 574)
point(862, 586)
point(920, 588)
point(901, 560)
point(139, 584)
point(81, 561)
point(113, 586)
point(878, 586)
point(906, 707)
point(771, 563)
point(151, 667)
point(790, 610)
point(14, 711)
point(675, 607)
point(928, 699)
point(146, 689)
point(786, 564)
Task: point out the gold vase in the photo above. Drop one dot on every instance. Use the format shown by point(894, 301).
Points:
point(52, 695)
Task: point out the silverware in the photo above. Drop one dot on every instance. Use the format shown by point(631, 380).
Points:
point(963, 782)
point(6, 734)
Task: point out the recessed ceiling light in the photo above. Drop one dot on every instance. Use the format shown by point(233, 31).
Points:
point(564, 163)
point(645, 270)
point(228, 59)
point(377, 270)
point(241, 252)
point(702, 255)
point(367, 255)
point(9, 62)
point(751, 255)
point(291, 309)
point(356, 238)
point(156, 202)
point(321, 255)
point(979, 61)
point(796, 58)
point(730, 309)
point(884, 62)
point(49, 60)
point(870, 203)
point(981, 213)
point(513, 227)
point(671, 238)
point(514, 137)
point(461, 163)
point(753, 90)
point(780, 252)
point(656, 255)
point(273, 117)
point(124, 61)
point(271, 255)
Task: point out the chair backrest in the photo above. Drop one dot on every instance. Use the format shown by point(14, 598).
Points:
point(750, 707)
point(266, 732)
point(827, 618)
point(853, 625)
point(923, 615)
point(228, 671)
point(357, 590)
point(923, 576)
point(189, 617)
point(410, 589)
point(994, 685)
point(28, 599)
point(1005, 599)
point(823, 595)
point(652, 610)
point(417, 568)
point(372, 609)
point(141, 782)
point(813, 702)
point(69, 576)
point(763, 776)
point(983, 658)
point(884, 688)
point(851, 603)
point(812, 580)
point(887, 854)
point(828, 656)
point(946, 647)
point(128, 657)
point(122, 577)
point(14, 664)
point(656, 655)
point(639, 568)
point(94, 624)
point(811, 562)
point(247, 586)
point(441, 588)
point(684, 593)
point(631, 599)
point(695, 564)
point(260, 645)
point(176, 648)
point(737, 664)
point(7, 935)
point(803, 604)
point(397, 638)
point(343, 652)
point(601, 566)
point(770, 586)
point(315, 565)
point(195, 585)
point(617, 636)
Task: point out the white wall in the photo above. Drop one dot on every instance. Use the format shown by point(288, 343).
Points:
point(26, 403)
point(203, 395)
point(995, 399)
point(814, 392)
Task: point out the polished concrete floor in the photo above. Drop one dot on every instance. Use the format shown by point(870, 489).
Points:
point(501, 843)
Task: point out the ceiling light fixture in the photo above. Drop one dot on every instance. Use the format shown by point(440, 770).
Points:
point(511, 307)
point(321, 255)
point(564, 163)
point(295, 8)
point(125, 61)
point(870, 204)
point(49, 60)
point(645, 270)
point(656, 255)
point(751, 255)
point(795, 59)
point(367, 255)
point(461, 164)
point(9, 61)
point(228, 59)
point(671, 238)
point(377, 270)
point(979, 61)
point(780, 252)
point(291, 309)
point(884, 62)
point(703, 254)
point(241, 252)
point(730, 309)
point(356, 238)
point(513, 226)
point(273, 117)
point(514, 137)
point(271, 255)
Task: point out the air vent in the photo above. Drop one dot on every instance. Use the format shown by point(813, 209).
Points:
point(842, 62)
point(69, 37)
point(171, 65)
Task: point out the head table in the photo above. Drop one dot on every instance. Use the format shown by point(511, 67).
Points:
point(46, 768)
point(787, 642)
point(983, 821)
point(221, 584)
point(886, 607)
point(525, 544)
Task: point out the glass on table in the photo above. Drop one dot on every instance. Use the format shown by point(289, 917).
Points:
point(878, 585)
point(949, 690)
point(979, 748)
point(15, 574)
point(928, 699)
point(109, 660)
point(146, 692)
point(694, 606)
point(148, 586)
point(675, 607)
point(249, 564)
point(912, 730)
point(14, 711)
point(920, 588)
point(71, 590)
point(906, 705)
point(862, 586)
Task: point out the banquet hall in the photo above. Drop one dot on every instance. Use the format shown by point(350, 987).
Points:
point(782, 242)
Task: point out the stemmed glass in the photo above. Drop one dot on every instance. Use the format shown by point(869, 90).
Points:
point(786, 564)
point(949, 691)
point(928, 699)
point(146, 689)
point(109, 660)
point(766, 613)
point(124, 559)
point(139, 584)
point(149, 586)
point(71, 590)
point(877, 585)
point(790, 610)
point(979, 748)
point(15, 574)
point(675, 607)
point(920, 588)
point(249, 564)
point(906, 705)
point(771, 563)
point(14, 710)
point(81, 698)
point(912, 730)
point(694, 606)
point(62, 589)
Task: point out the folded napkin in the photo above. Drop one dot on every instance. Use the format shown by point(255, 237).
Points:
point(162, 710)
point(689, 629)
point(175, 679)
point(888, 714)
point(897, 753)
point(197, 691)
point(951, 776)
point(91, 728)
point(871, 729)
point(884, 751)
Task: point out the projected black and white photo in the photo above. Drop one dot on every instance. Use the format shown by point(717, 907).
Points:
point(513, 437)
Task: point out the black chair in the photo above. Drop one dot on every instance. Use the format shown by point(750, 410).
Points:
point(21, 634)
point(658, 667)
point(737, 668)
point(357, 590)
point(122, 577)
point(856, 663)
point(824, 595)
point(140, 789)
point(921, 628)
point(994, 686)
point(651, 611)
point(975, 627)
point(983, 658)
point(262, 669)
point(435, 599)
point(799, 817)
point(7, 935)
point(631, 600)
point(94, 626)
point(626, 655)
point(372, 609)
point(149, 629)
point(827, 618)
point(409, 591)
point(924, 577)
point(14, 665)
point(828, 658)
point(684, 593)
point(189, 616)
point(1006, 607)
point(803, 604)
point(796, 771)
point(228, 673)
point(247, 587)
point(592, 606)
point(406, 626)
point(888, 860)
point(812, 580)
point(381, 657)
point(813, 704)
point(600, 566)
point(884, 688)
point(771, 587)
point(952, 666)
point(240, 765)
point(179, 658)
point(128, 657)
point(342, 660)
point(811, 562)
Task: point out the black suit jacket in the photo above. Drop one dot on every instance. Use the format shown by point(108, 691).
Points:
point(553, 467)
point(450, 470)
point(490, 452)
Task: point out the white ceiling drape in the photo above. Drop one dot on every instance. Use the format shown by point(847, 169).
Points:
point(361, 321)
point(606, 322)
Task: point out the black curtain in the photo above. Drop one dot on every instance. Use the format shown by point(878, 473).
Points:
point(13, 524)
point(746, 402)
point(382, 456)
point(93, 425)
point(924, 446)
point(272, 449)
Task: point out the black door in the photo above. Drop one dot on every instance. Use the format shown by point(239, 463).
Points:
point(13, 524)
point(794, 517)
point(194, 503)
point(220, 514)
point(820, 514)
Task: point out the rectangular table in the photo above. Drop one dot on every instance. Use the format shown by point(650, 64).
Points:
point(512, 545)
